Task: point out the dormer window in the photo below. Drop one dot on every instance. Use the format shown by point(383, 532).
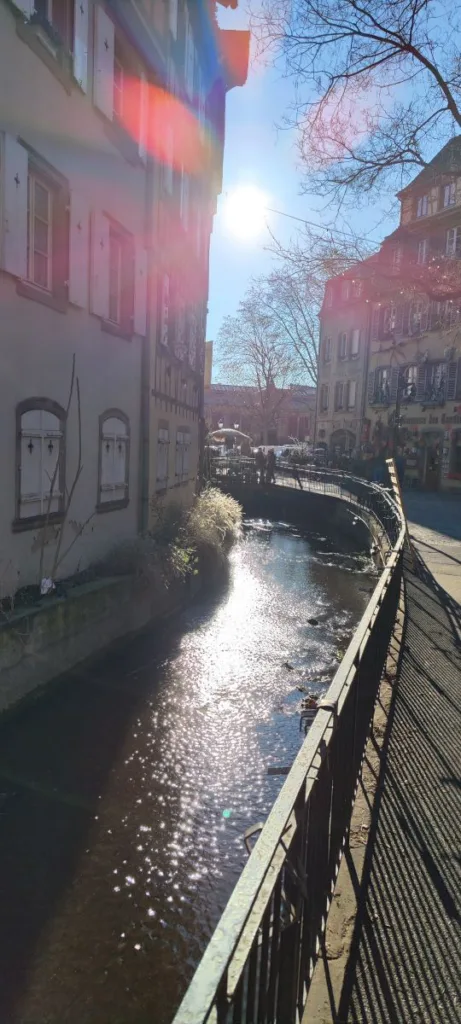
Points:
point(345, 290)
point(422, 206)
point(396, 256)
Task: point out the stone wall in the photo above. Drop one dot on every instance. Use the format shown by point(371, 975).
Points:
point(40, 643)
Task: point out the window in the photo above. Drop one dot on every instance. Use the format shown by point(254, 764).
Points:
point(339, 395)
point(342, 345)
point(328, 296)
point(163, 447)
point(114, 442)
point(382, 393)
point(409, 380)
point(165, 310)
point(455, 466)
point(357, 289)
point(449, 194)
point(417, 311)
point(59, 15)
point(39, 236)
point(355, 343)
point(121, 279)
point(389, 319)
point(324, 398)
point(423, 248)
point(351, 394)
point(422, 206)
point(182, 454)
point(345, 288)
point(41, 482)
point(453, 242)
point(436, 382)
point(397, 254)
point(327, 350)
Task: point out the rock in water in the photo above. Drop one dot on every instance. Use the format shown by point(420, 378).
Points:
point(313, 622)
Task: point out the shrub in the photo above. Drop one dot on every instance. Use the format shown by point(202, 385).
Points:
point(213, 521)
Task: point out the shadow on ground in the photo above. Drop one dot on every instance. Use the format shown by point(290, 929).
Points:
point(404, 962)
point(55, 755)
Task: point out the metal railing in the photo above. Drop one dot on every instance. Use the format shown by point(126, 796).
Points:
point(259, 962)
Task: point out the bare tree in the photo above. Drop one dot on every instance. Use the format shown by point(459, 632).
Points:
point(378, 86)
point(253, 355)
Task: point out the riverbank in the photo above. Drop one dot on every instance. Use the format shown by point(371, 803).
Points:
point(140, 582)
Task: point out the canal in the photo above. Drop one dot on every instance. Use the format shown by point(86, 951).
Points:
point(125, 791)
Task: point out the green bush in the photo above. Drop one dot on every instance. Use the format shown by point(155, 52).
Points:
point(179, 541)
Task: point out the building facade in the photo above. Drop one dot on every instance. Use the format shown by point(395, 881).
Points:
point(342, 362)
point(111, 141)
point(287, 415)
point(414, 383)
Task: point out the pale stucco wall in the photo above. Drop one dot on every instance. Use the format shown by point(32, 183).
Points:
point(36, 342)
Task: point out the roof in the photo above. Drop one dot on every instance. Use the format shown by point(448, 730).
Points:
point(446, 161)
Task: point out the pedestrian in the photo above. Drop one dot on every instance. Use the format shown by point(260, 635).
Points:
point(270, 473)
point(260, 462)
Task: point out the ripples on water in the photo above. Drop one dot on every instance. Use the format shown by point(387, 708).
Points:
point(147, 864)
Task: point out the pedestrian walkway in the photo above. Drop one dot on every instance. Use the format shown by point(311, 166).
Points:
point(405, 955)
point(434, 522)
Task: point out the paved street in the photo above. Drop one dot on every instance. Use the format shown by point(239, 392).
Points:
point(435, 525)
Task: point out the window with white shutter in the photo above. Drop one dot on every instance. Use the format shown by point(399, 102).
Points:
point(163, 447)
point(104, 47)
point(14, 189)
point(182, 457)
point(40, 487)
point(140, 291)
point(81, 26)
point(324, 398)
point(100, 265)
point(422, 206)
point(79, 249)
point(355, 342)
point(40, 233)
point(114, 445)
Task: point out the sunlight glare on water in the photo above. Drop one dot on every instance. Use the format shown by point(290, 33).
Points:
point(184, 725)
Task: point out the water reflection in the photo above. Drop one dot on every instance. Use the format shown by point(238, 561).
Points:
point(209, 706)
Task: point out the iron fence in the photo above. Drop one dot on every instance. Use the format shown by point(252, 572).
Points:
point(259, 962)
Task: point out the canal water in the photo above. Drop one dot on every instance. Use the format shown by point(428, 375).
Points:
point(125, 791)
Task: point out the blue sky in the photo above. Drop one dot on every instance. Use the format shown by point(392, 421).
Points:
point(258, 154)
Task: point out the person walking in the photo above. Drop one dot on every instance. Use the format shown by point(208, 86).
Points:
point(270, 474)
point(260, 462)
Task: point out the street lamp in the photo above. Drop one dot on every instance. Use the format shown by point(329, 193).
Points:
point(236, 426)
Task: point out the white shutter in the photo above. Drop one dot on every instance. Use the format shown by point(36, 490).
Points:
point(15, 184)
point(100, 265)
point(143, 144)
point(173, 16)
point(26, 6)
point(140, 291)
point(352, 394)
point(79, 249)
point(104, 62)
point(81, 43)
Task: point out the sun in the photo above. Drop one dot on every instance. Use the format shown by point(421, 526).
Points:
point(245, 211)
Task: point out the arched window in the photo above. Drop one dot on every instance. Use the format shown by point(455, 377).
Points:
point(114, 454)
point(40, 463)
